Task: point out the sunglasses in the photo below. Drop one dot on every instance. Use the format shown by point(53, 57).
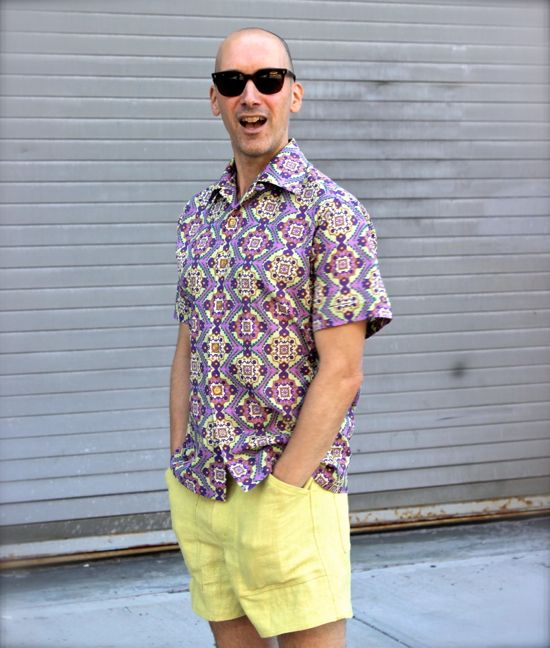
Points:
point(267, 80)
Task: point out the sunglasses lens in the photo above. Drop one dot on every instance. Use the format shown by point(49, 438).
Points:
point(269, 82)
point(230, 85)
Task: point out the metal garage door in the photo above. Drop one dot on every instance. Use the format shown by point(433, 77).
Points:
point(436, 114)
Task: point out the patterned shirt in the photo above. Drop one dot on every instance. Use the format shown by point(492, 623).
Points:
point(257, 277)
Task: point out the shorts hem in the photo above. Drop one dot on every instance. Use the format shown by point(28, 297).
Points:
point(301, 606)
point(280, 586)
point(298, 627)
point(215, 618)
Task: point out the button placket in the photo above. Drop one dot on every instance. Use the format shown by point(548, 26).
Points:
point(228, 228)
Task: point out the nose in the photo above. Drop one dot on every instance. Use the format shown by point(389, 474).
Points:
point(249, 95)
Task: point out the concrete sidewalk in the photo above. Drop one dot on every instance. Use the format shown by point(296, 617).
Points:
point(464, 586)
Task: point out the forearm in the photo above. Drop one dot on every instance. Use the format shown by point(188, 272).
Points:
point(327, 400)
point(179, 396)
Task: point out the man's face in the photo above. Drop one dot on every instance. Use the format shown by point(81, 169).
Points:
point(255, 141)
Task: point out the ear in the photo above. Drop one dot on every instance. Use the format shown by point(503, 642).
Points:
point(296, 97)
point(214, 106)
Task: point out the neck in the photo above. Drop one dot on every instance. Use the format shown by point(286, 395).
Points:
point(247, 171)
point(249, 168)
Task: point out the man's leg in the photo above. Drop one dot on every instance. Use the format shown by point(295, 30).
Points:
point(330, 635)
point(239, 633)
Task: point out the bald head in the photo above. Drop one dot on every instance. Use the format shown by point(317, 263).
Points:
point(254, 35)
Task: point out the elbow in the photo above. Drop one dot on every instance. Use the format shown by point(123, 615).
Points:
point(342, 379)
point(349, 386)
point(355, 381)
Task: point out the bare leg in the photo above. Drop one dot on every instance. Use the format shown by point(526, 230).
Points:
point(239, 633)
point(330, 635)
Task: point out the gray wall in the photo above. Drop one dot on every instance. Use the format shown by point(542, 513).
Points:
point(436, 114)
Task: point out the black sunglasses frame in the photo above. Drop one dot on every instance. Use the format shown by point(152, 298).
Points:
point(239, 79)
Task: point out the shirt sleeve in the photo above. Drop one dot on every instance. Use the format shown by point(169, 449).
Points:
point(182, 308)
point(347, 286)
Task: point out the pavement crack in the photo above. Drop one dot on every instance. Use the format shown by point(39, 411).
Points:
point(386, 634)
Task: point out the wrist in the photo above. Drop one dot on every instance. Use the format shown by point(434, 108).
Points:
point(289, 477)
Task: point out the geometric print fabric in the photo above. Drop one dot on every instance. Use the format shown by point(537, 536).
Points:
point(256, 278)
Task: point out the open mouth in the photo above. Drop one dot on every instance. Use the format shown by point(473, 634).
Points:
point(252, 123)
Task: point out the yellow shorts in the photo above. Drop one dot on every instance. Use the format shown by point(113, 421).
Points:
point(278, 553)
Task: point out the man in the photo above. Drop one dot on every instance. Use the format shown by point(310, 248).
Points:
point(278, 288)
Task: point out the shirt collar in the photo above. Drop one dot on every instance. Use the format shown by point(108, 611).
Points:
point(286, 170)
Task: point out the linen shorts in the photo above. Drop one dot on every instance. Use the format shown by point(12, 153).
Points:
point(277, 553)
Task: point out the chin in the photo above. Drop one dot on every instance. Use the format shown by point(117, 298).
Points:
point(263, 147)
point(257, 150)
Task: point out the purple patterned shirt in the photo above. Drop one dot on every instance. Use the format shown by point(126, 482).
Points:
point(257, 277)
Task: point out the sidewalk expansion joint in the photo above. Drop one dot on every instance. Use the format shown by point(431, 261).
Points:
point(386, 634)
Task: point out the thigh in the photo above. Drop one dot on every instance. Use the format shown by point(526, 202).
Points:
point(330, 634)
point(238, 633)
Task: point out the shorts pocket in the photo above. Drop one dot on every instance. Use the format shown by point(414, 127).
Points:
point(183, 504)
point(276, 545)
point(342, 514)
point(332, 516)
point(288, 488)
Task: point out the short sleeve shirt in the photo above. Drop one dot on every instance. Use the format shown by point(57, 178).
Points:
point(257, 278)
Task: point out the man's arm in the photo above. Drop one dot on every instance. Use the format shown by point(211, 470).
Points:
point(329, 395)
point(179, 389)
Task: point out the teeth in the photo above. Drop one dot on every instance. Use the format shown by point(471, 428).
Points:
point(251, 120)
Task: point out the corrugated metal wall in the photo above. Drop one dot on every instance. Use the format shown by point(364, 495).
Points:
point(436, 114)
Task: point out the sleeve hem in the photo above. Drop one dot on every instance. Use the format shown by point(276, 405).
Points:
point(374, 323)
